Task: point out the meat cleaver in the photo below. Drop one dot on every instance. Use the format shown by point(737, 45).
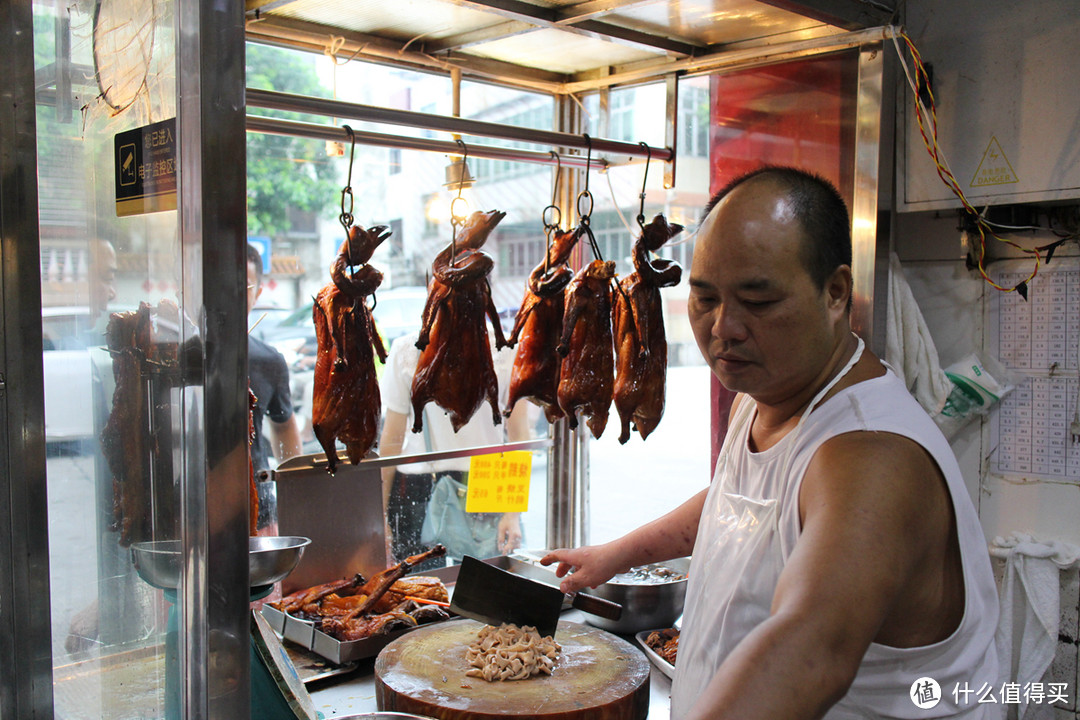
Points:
point(494, 596)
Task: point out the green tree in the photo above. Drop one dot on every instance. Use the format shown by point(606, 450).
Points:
point(284, 172)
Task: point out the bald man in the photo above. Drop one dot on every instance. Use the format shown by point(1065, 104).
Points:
point(839, 569)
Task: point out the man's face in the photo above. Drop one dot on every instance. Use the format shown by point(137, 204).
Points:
point(759, 321)
point(102, 289)
point(253, 287)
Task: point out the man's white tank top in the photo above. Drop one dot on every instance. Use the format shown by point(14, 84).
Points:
point(749, 527)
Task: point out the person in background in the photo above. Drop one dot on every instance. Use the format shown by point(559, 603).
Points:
point(838, 561)
point(101, 278)
point(269, 379)
point(407, 489)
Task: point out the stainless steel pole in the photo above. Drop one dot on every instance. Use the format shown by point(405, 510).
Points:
point(463, 126)
point(275, 126)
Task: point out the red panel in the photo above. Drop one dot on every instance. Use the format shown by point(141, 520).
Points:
point(800, 114)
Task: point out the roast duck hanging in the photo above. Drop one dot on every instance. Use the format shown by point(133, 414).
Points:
point(455, 369)
point(640, 343)
point(347, 404)
point(538, 329)
point(136, 344)
point(586, 375)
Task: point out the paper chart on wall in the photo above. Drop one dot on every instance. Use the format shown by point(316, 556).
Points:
point(1038, 338)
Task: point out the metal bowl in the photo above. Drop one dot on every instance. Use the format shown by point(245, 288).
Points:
point(646, 605)
point(269, 559)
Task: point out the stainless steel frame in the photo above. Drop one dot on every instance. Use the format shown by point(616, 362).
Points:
point(870, 226)
point(274, 126)
point(214, 590)
point(318, 460)
point(25, 623)
point(449, 124)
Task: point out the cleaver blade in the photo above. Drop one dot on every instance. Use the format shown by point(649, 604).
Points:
point(494, 596)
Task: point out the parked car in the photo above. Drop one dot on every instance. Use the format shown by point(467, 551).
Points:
point(67, 337)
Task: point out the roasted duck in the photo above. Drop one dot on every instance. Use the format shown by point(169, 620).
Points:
point(640, 343)
point(538, 325)
point(313, 595)
point(357, 609)
point(135, 345)
point(588, 367)
point(347, 405)
point(455, 369)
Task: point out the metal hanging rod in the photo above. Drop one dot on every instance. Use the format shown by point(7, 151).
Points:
point(276, 126)
point(463, 126)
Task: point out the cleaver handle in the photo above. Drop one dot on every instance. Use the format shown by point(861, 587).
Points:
point(597, 606)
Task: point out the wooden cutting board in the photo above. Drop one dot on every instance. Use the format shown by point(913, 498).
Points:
point(598, 676)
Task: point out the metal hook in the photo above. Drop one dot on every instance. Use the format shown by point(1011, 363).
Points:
point(585, 194)
point(454, 222)
point(644, 180)
point(551, 225)
point(346, 217)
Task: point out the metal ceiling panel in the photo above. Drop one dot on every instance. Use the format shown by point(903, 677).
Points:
point(560, 52)
point(400, 20)
point(711, 22)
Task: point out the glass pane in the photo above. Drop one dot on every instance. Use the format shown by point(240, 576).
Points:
point(632, 483)
point(110, 474)
point(299, 234)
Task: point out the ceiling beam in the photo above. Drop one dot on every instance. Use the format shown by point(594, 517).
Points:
point(596, 8)
point(258, 8)
point(543, 17)
point(847, 14)
point(371, 48)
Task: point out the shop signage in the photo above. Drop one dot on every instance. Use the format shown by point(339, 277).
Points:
point(145, 168)
point(499, 482)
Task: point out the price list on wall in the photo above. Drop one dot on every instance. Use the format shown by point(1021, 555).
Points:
point(1037, 338)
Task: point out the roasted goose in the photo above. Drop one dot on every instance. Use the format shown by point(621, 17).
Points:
point(134, 345)
point(376, 606)
point(347, 405)
point(339, 605)
point(455, 369)
point(588, 367)
point(312, 595)
point(539, 326)
point(640, 343)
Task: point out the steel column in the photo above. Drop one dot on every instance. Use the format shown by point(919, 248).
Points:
point(25, 623)
point(869, 226)
point(215, 627)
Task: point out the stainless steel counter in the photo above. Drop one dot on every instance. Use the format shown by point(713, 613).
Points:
point(355, 693)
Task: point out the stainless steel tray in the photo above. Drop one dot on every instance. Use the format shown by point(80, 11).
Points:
point(305, 634)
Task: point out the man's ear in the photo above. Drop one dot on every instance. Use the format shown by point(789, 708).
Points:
point(839, 288)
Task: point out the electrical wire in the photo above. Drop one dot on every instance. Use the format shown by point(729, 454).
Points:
point(927, 120)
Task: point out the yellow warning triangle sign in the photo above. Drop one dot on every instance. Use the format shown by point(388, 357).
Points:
point(994, 168)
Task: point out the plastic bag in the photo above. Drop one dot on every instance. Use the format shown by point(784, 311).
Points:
point(462, 533)
point(977, 383)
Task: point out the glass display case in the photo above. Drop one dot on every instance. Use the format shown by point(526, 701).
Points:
point(133, 261)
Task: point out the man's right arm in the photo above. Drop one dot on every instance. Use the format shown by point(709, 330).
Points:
point(669, 536)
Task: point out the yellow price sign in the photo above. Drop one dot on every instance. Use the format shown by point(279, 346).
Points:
point(499, 482)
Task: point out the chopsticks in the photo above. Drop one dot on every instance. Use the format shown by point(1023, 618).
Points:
point(427, 601)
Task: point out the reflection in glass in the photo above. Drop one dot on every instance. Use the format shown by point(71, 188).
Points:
point(110, 474)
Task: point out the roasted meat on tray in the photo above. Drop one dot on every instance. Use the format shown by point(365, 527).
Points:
point(347, 404)
point(587, 374)
point(352, 609)
point(640, 342)
point(455, 369)
point(538, 328)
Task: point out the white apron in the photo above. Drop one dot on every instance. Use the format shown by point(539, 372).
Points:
point(749, 525)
